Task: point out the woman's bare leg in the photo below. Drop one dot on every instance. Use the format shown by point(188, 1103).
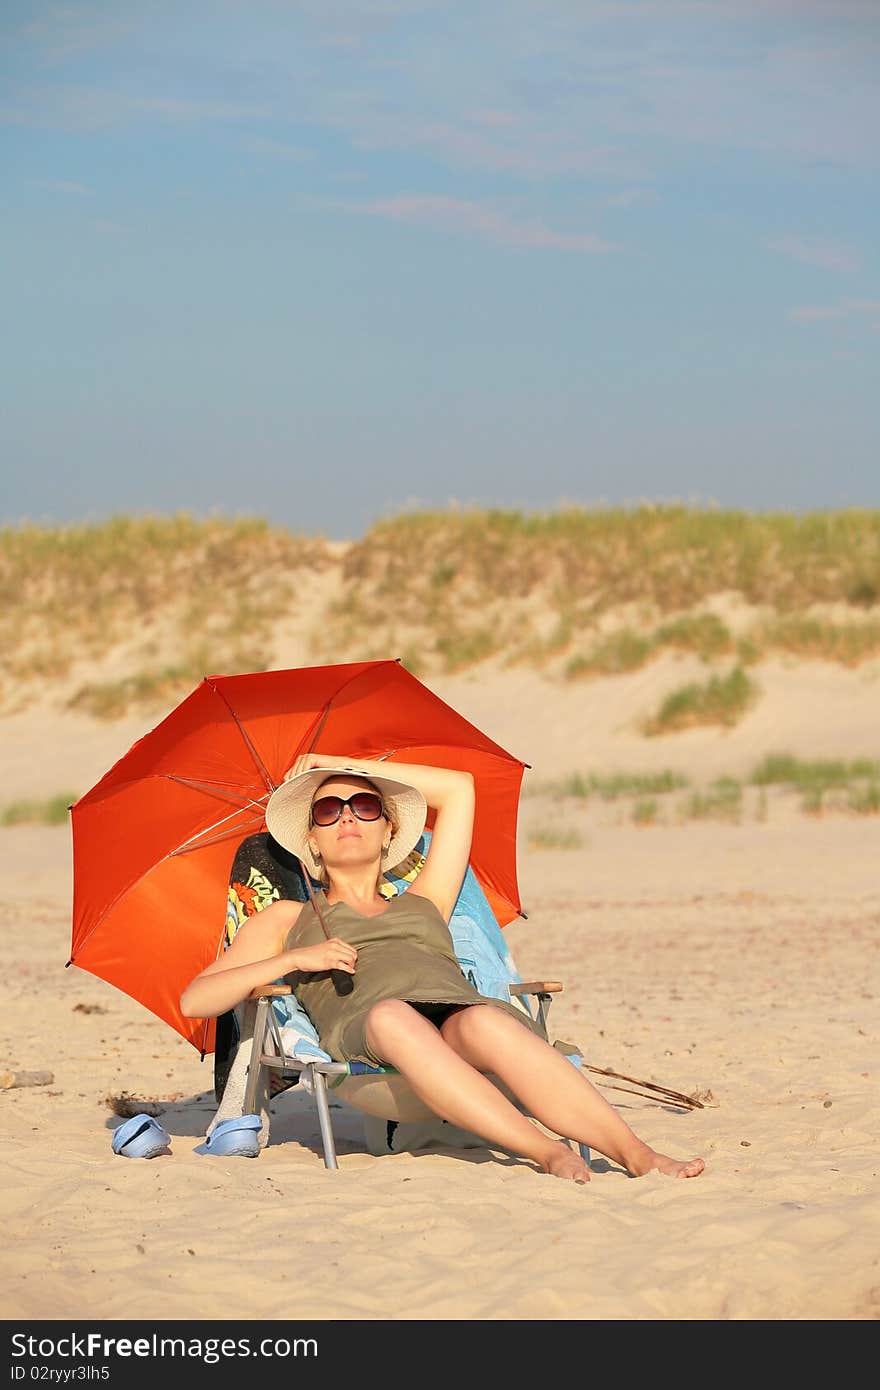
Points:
point(552, 1090)
point(455, 1091)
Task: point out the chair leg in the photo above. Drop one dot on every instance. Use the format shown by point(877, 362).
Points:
point(320, 1085)
point(255, 1067)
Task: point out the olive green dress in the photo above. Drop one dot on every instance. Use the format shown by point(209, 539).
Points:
point(405, 952)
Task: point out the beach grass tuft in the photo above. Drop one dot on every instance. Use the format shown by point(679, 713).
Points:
point(864, 801)
point(723, 800)
point(785, 769)
point(654, 798)
point(702, 633)
point(855, 781)
point(722, 700)
point(802, 635)
point(619, 652)
point(544, 838)
point(609, 786)
point(645, 811)
point(53, 810)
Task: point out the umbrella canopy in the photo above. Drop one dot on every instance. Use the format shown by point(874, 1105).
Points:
point(154, 839)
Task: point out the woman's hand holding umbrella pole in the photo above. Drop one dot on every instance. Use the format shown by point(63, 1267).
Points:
point(333, 954)
point(223, 984)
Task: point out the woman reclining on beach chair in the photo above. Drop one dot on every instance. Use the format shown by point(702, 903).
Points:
point(287, 1051)
point(410, 1007)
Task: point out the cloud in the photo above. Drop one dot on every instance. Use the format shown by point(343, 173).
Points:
point(628, 197)
point(607, 90)
point(828, 255)
point(526, 152)
point(277, 149)
point(64, 32)
point(845, 309)
point(96, 108)
point(494, 119)
point(185, 109)
point(64, 186)
point(458, 215)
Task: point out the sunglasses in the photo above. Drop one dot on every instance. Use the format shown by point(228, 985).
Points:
point(365, 805)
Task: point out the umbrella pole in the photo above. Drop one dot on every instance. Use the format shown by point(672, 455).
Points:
point(342, 982)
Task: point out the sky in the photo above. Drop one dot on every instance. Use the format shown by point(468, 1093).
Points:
point(326, 261)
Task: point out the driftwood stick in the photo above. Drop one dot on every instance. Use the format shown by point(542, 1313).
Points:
point(677, 1096)
point(11, 1079)
point(646, 1095)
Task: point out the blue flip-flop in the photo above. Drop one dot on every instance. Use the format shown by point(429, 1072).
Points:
point(236, 1137)
point(140, 1137)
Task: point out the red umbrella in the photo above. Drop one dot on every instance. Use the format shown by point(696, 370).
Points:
point(153, 840)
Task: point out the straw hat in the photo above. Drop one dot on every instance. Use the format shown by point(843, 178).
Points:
point(288, 810)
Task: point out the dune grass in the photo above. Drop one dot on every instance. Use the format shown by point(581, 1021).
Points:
point(864, 801)
point(144, 689)
point(804, 636)
point(183, 597)
point(54, 810)
point(609, 786)
point(856, 782)
point(674, 556)
point(785, 769)
point(651, 799)
point(462, 570)
point(703, 634)
point(706, 636)
point(722, 700)
point(444, 590)
point(722, 800)
point(545, 838)
point(620, 651)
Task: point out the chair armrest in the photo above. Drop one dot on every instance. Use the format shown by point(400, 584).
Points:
point(532, 987)
point(269, 991)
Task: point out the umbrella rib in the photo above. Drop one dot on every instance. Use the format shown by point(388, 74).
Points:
point(217, 789)
point(261, 766)
point(321, 720)
point(199, 842)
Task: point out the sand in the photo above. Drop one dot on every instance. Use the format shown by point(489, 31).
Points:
point(735, 961)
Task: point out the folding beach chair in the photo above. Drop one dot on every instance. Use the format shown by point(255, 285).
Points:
point(269, 1043)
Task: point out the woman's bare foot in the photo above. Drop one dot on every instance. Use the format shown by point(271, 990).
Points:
point(647, 1160)
point(565, 1163)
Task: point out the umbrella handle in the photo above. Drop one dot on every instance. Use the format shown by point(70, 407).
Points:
point(343, 983)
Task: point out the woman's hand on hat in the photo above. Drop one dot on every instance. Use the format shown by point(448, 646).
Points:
point(334, 954)
point(306, 761)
